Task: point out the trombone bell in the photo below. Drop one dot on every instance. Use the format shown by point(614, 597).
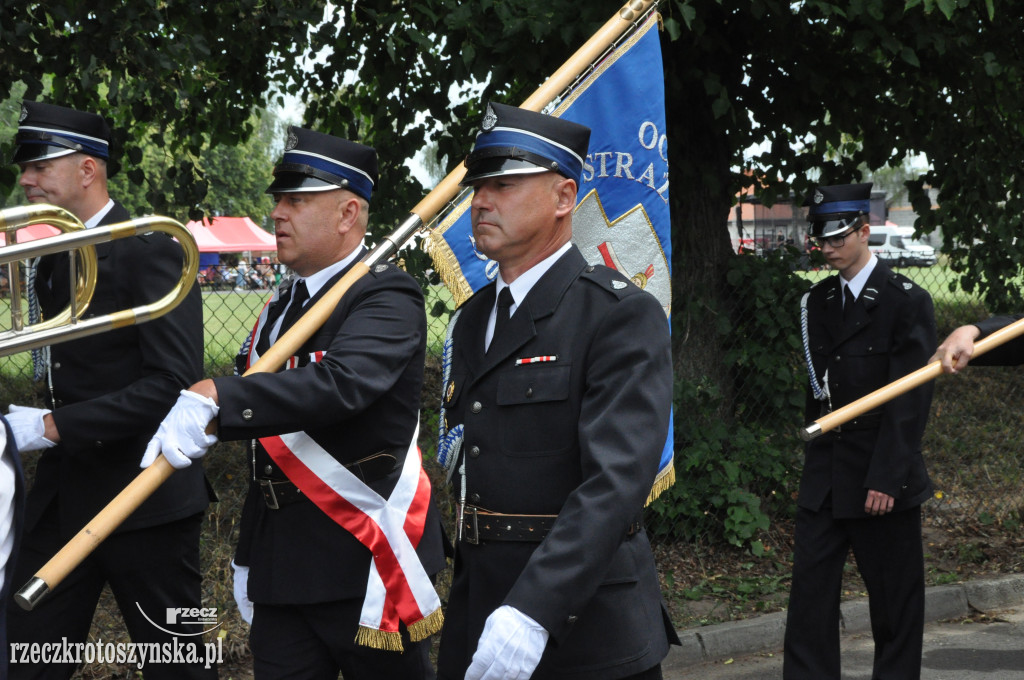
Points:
point(68, 324)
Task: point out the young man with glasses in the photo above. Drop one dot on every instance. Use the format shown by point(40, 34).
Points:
point(863, 483)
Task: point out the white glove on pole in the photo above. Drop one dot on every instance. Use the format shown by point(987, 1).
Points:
point(182, 436)
point(27, 424)
point(509, 648)
point(241, 589)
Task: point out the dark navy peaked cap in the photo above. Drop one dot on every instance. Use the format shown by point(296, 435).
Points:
point(50, 131)
point(518, 141)
point(832, 209)
point(314, 161)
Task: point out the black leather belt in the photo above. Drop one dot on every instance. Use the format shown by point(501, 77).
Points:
point(484, 525)
point(278, 493)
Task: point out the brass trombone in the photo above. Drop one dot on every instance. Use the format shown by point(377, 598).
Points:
point(69, 324)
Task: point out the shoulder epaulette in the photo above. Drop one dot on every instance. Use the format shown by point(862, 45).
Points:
point(609, 280)
point(902, 283)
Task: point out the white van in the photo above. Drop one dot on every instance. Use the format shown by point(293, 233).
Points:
point(890, 243)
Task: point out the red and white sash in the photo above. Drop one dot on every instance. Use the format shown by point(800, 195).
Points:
point(398, 587)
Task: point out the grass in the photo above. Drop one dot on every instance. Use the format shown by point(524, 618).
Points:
point(228, 316)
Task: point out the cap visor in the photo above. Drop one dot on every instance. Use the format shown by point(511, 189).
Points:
point(294, 182)
point(495, 167)
point(39, 152)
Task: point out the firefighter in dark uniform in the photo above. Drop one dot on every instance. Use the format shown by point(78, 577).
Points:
point(862, 484)
point(350, 398)
point(105, 396)
point(560, 382)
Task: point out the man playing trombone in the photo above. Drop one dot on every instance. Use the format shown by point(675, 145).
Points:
point(105, 395)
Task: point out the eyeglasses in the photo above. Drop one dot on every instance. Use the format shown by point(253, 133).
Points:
point(839, 240)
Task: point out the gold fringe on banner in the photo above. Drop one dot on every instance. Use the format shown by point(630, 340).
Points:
point(445, 262)
point(663, 481)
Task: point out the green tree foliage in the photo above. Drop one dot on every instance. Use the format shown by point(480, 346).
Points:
point(236, 174)
point(178, 74)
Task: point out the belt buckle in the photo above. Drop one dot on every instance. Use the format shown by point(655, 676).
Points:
point(269, 497)
point(471, 534)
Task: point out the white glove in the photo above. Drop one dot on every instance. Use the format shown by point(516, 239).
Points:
point(242, 592)
point(27, 424)
point(509, 648)
point(182, 435)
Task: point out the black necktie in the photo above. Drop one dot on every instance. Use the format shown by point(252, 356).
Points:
point(505, 302)
point(299, 296)
point(274, 313)
point(848, 302)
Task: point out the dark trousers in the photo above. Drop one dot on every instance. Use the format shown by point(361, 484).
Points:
point(149, 571)
point(317, 641)
point(890, 559)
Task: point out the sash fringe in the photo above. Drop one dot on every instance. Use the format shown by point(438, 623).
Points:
point(378, 639)
point(427, 626)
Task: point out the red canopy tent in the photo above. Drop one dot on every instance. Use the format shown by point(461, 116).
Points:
point(31, 233)
point(230, 235)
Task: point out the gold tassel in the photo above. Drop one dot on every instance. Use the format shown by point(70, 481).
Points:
point(661, 483)
point(447, 267)
point(379, 639)
point(427, 626)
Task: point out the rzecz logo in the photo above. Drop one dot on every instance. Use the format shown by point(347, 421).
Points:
point(177, 616)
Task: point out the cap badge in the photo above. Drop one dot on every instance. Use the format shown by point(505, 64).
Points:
point(490, 119)
point(818, 196)
point(24, 114)
point(291, 142)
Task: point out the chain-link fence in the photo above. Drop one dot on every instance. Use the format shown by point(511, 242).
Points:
point(972, 443)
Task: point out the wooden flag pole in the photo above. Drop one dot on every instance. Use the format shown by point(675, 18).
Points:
point(868, 402)
point(122, 505)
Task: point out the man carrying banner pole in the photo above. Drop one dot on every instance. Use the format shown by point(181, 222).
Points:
point(339, 536)
point(556, 404)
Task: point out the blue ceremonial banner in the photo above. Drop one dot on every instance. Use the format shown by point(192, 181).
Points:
point(622, 215)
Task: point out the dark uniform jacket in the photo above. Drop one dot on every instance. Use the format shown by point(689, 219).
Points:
point(889, 333)
point(363, 397)
point(1010, 353)
point(580, 437)
point(111, 390)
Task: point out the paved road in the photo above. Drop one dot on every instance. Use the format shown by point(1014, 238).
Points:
point(992, 650)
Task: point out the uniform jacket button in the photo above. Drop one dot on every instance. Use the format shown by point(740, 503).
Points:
point(58, 402)
point(474, 451)
point(529, 391)
point(98, 444)
point(56, 365)
point(247, 414)
point(476, 407)
point(571, 620)
point(474, 498)
point(267, 469)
